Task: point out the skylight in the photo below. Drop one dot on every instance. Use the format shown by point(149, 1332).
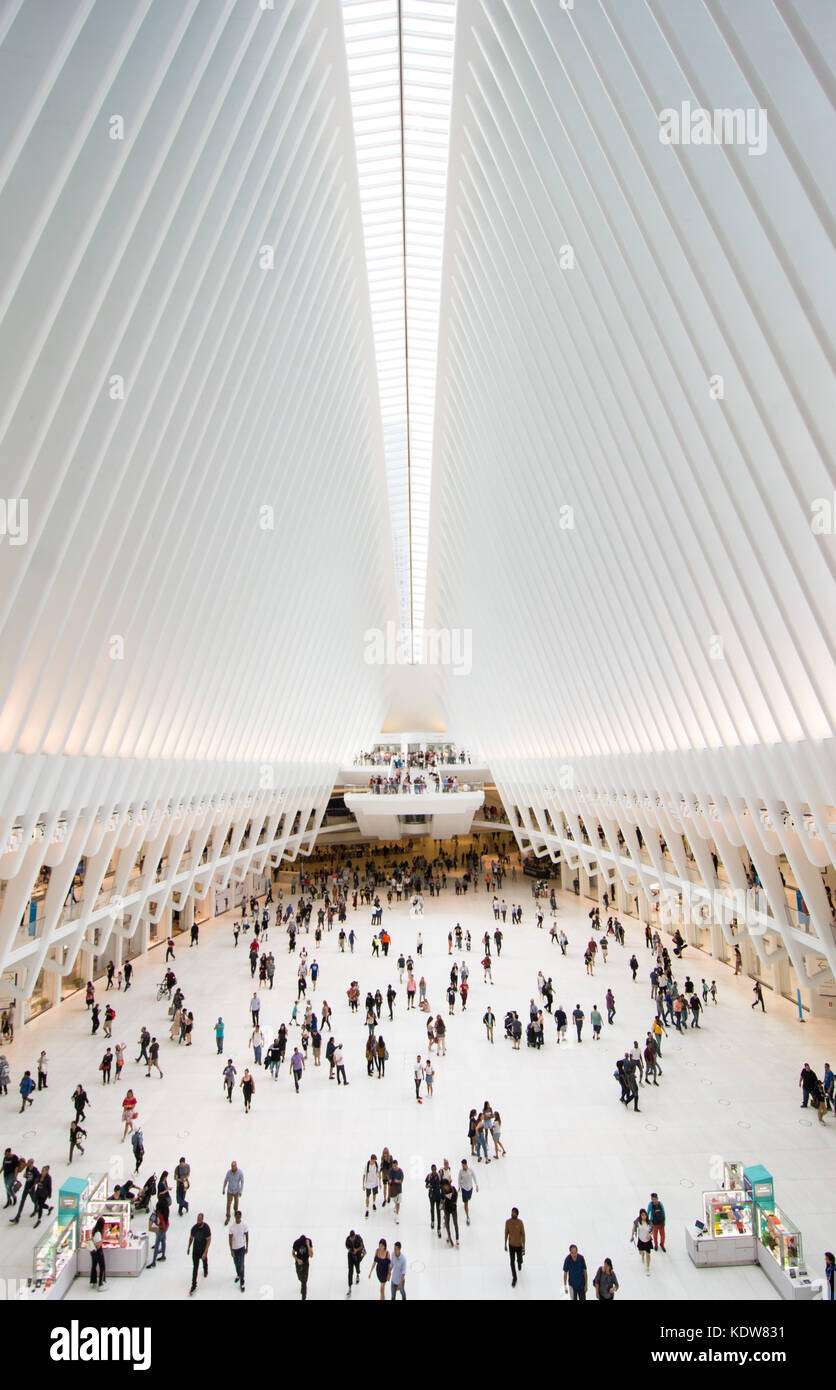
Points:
point(403, 178)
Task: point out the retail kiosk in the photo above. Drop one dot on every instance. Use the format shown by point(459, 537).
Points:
point(741, 1224)
point(64, 1250)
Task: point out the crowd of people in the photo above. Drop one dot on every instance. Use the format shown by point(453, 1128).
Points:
point(320, 904)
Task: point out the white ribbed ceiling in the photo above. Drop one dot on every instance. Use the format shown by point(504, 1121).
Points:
point(656, 541)
point(622, 417)
point(211, 258)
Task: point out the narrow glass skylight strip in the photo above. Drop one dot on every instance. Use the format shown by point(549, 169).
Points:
point(400, 319)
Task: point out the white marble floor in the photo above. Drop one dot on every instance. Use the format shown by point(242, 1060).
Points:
point(578, 1167)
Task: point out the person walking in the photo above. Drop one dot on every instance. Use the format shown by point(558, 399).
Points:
point(356, 1250)
point(398, 1272)
point(371, 1183)
point(182, 1184)
point(302, 1251)
point(200, 1239)
point(233, 1186)
point(466, 1184)
point(98, 1273)
point(605, 1283)
point(418, 1076)
point(382, 1266)
point(656, 1214)
point(597, 1023)
point(144, 1039)
point(255, 1009)
point(578, 1018)
point(229, 1074)
point(105, 1066)
point(247, 1089)
point(158, 1226)
point(154, 1057)
point(42, 1194)
point(339, 1064)
point(758, 993)
point(138, 1146)
point(26, 1088)
point(219, 1036)
point(395, 1188)
point(489, 1020)
point(43, 1065)
point(76, 1136)
point(450, 1198)
point(11, 1164)
point(575, 1275)
point(81, 1100)
point(642, 1237)
point(28, 1178)
point(432, 1182)
point(239, 1246)
point(515, 1243)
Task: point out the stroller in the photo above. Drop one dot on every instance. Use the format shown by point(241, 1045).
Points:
point(143, 1201)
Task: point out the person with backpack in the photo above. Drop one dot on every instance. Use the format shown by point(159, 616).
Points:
point(656, 1215)
point(371, 1182)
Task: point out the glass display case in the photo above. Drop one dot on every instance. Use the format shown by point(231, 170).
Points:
point(728, 1213)
point(117, 1219)
point(98, 1187)
point(733, 1177)
point(53, 1266)
point(125, 1251)
point(781, 1255)
point(782, 1238)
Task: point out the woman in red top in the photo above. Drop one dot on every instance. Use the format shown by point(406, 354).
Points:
point(129, 1114)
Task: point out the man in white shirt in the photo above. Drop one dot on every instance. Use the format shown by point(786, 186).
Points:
point(371, 1182)
point(466, 1183)
point(419, 1077)
point(239, 1244)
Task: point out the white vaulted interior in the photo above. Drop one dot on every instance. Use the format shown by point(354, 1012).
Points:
point(320, 319)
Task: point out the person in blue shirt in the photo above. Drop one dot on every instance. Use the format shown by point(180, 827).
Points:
point(27, 1086)
point(398, 1274)
point(575, 1275)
